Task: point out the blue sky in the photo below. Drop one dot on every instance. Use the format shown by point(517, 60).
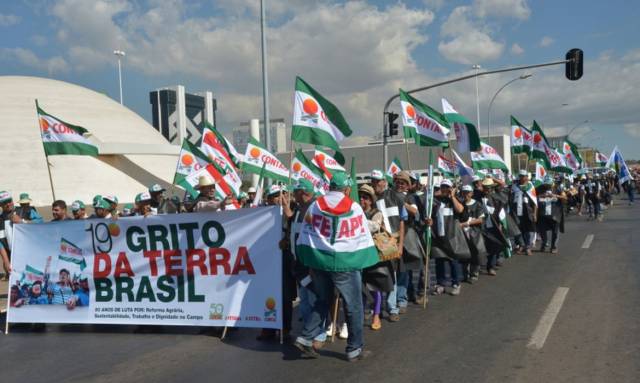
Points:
point(357, 54)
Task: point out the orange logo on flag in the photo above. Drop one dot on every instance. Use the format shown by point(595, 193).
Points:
point(542, 172)
point(44, 124)
point(537, 138)
point(310, 106)
point(297, 167)
point(254, 152)
point(517, 133)
point(187, 160)
point(410, 111)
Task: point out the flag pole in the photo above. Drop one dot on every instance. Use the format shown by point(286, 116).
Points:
point(406, 145)
point(428, 233)
point(46, 157)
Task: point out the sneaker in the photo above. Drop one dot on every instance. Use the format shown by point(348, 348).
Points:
point(455, 290)
point(307, 351)
point(528, 252)
point(554, 251)
point(330, 330)
point(344, 332)
point(362, 355)
point(492, 272)
point(438, 290)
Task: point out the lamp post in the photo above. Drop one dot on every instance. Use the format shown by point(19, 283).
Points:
point(477, 67)
point(575, 127)
point(120, 54)
point(521, 77)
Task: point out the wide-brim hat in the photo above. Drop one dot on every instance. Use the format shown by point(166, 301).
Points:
point(403, 175)
point(24, 198)
point(204, 181)
point(488, 182)
point(367, 190)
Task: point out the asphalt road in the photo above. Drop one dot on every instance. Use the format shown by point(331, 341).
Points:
point(484, 335)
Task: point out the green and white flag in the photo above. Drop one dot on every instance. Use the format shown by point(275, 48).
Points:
point(335, 236)
point(71, 253)
point(521, 138)
point(571, 155)
point(316, 120)
point(487, 158)
point(428, 127)
point(59, 137)
point(541, 172)
point(325, 162)
point(236, 157)
point(557, 161)
point(601, 159)
point(540, 148)
point(301, 167)
point(31, 275)
point(446, 167)
point(256, 157)
point(466, 133)
point(394, 168)
point(190, 159)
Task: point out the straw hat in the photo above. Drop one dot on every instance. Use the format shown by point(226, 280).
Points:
point(204, 181)
point(367, 190)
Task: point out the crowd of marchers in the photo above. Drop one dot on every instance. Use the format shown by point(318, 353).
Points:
point(469, 232)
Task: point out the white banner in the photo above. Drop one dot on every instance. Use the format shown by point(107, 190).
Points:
point(201, 269)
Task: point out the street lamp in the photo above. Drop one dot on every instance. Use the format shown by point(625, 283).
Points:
point(575, 127)
point(521, 77)
point(477, 67)
point(120, 54)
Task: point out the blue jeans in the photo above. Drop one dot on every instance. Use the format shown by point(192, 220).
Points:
point(403, 287)
point(307, 301)
point(455, 270)
point(349, 284)
point(527, 239)
point(392, 298)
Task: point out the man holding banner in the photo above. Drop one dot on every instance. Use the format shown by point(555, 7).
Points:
point(336, 244)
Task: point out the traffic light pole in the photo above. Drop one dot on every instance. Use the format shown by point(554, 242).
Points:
point(385, 153)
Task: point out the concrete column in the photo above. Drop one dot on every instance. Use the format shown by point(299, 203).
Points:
point(208, 107)
point(181, 109)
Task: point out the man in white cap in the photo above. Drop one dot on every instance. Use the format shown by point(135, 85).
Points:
point(251, 192)
point(524, 202)
point(78, 210)
point(449, 245)
point(472, 228)
point(161, 204)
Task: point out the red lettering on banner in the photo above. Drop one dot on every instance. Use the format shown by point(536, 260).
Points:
point(101, 258)
point(122, 266)
point(356, 223)
point(196, 258)
point(153, 264)
point(214, 261)
point(172, 258)
point(316, 220)
point(243, 262)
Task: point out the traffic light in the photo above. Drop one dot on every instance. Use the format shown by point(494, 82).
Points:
point(393, 127)
point(573, 68)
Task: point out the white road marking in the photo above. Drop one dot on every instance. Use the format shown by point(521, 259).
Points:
point(543, 328)
point(587, 241)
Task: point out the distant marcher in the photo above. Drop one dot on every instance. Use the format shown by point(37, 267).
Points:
point(27, 212)
point(59, 211)
point(78, 209)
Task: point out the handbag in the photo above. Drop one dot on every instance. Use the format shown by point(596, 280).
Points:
point(387, 246)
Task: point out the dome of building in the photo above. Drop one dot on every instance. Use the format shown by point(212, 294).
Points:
point(111, 125)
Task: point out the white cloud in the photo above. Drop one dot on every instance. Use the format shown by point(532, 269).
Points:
point(8, 20)
point(632, 128)
point(26, 57)
point(502, 8)
point(469, 42)
point(546, 41)
point(516, 49)
point(434, 4)
point(354, 52)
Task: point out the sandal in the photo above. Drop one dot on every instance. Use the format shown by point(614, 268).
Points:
point(438, 290)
